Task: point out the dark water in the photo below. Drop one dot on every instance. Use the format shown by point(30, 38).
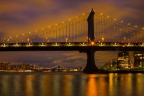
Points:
point(71, 84)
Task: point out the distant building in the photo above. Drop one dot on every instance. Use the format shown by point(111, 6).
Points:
point(2, 66)
point(5, 66)
point(138, 58)
point(123, 59)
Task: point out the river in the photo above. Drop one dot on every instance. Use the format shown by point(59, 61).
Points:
point(71, 84)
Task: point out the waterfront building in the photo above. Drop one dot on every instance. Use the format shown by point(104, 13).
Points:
point(5, 66)
point(138, 59)
point(123, 60)
point(1, 66)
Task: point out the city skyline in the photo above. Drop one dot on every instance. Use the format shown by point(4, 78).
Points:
point(125, 60)
point(18, 17)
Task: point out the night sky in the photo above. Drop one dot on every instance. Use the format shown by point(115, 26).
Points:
point(23, 16)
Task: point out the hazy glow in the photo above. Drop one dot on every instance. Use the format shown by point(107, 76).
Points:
point(25, 16)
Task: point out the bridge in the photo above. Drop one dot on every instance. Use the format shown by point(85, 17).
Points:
point(86, 33)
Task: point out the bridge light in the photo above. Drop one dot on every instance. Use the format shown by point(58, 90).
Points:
point(124, 38)
point(67, 39)
point(92, 43)
point(121, 21)
point(16, 45)
point(57, 44)
point(115, 19)
point(69, 44)
point(102, 39)
point(28, 39)
point(4, 45)
point(108, 16)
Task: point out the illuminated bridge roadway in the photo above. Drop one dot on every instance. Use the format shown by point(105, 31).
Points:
point(72, 46)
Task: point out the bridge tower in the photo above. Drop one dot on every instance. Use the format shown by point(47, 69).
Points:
point(90, 67)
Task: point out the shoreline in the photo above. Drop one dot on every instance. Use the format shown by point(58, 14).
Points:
point(98, 72)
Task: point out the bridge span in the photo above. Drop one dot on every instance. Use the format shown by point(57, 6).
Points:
point(72, 46)
point(76, 35)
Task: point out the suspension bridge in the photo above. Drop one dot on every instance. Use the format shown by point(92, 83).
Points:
point(86, 33)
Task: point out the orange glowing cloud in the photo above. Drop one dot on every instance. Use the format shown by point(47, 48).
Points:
point(23, 16)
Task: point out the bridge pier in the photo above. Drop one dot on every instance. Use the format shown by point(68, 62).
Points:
point(90, 67)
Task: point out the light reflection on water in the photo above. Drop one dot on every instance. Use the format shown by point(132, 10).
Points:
point(71, 84)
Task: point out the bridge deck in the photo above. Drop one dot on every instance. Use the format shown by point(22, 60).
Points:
point(72, 46)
